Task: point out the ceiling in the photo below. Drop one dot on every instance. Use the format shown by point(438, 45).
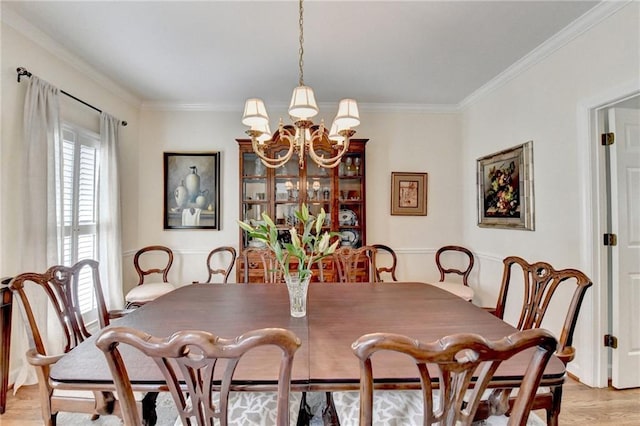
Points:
point(219, 53)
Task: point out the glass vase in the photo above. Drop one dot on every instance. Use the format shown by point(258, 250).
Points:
point(297, 294)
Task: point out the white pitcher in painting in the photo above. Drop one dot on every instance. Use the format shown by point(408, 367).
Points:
point(192, 182)
point(182, 195)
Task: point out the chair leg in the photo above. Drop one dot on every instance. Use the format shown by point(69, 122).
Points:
point(554, 411)
point(304, 413)
point(149, 416)
point(329, 413)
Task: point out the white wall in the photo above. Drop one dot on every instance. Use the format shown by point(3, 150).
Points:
point(541, 104)
point(414, 142)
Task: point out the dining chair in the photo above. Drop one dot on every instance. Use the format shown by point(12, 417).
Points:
point(198, 355)
point(224, 256)
point(540, 282)
point(59, 285)
point(381, 251)
point(446, 368)
point(355, 264)
point(261, 265)
point(147, 290)
point(461, 290)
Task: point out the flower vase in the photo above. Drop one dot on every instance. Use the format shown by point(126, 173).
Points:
point(297, 294)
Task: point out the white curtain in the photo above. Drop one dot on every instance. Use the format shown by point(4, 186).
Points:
point(40, 243)
point(109, 231)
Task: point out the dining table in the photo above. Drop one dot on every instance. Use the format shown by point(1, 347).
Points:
point(337, 314)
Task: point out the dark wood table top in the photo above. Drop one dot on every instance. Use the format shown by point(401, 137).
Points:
point(337, 314)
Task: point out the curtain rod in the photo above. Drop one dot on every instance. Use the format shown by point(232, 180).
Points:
point(22, 72)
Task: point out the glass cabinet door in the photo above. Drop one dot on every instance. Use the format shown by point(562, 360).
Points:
point(351, 200)
point(254, 196)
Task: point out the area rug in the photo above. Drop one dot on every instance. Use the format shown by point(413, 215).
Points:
point(394, 409)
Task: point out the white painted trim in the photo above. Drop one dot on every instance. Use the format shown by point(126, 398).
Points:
point(21, 25)
point(592, 255)
point(591, 18)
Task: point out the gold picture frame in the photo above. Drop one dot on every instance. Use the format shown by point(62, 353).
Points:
point(408, 194)
point(505, 188)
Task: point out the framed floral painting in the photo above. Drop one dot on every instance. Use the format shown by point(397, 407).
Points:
point(505, 188)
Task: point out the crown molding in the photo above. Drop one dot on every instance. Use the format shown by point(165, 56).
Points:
point(187, 106)
point(210, 107)
point(591, 18)
point(22, 26)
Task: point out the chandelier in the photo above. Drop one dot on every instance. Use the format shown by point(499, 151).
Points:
point(304, 137)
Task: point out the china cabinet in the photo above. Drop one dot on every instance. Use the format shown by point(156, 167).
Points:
point(279, 192)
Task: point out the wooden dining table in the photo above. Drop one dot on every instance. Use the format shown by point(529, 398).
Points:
point(337, 314)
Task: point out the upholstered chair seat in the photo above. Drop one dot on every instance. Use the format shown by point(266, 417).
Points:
point(141, 294)
point(458, 289)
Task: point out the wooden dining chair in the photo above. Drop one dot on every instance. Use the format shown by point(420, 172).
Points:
point(379, 268)
point(261, 265)
point(197, 356)
point(158, 284)
point(540, 282)
point(450, 394)
point(60, 285)
point(225, 257)
point(355, 264)
point(459, 289)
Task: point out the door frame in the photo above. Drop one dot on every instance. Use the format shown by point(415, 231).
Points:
point(593, 254)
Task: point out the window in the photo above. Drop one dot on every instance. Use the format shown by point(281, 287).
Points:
point(78, 186)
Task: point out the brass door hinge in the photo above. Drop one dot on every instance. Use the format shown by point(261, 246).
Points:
point(610, 239)
point(610, 341)
point(607, 139)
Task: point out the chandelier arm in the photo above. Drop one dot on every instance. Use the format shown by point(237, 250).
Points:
point(272, 163)
point(330, 162)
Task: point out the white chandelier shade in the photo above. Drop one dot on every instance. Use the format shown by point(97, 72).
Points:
point(303, 103)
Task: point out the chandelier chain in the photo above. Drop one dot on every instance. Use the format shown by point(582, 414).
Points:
point(301, 50)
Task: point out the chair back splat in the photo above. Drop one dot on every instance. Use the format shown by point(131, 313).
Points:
point(225, 257)
point(60, 285)
point(380, 269)
point(143, 272)
point(355, 264)
point(461, 290)
point(261, 261)
point(197, 355)
point(456, 359)
point(462, 272)
point(541, 281)
point(149, 289)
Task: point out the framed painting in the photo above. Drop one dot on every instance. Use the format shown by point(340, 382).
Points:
point(408, 194)
point(505, 188)
point(191, 190)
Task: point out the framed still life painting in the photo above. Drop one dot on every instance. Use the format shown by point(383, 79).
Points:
point(408, 194)
point(191, 190)
point(505, 188)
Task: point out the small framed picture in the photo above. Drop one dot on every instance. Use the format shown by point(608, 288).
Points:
point(505, 188)
point(191, 190)
point(408, 194)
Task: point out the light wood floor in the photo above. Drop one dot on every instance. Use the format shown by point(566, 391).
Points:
point(581, 405)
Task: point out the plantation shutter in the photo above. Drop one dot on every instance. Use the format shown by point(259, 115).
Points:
point(79, 200)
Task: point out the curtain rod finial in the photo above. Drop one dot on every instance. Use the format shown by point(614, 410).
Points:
point(22, 71)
